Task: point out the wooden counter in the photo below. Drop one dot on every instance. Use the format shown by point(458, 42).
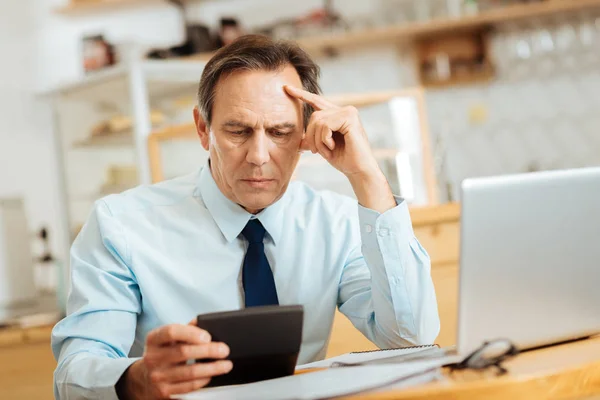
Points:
point(26, 363)
point(568, 371)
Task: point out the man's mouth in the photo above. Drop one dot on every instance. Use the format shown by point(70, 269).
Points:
point(260, 183)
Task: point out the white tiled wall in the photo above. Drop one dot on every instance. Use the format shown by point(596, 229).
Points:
point(542, 111)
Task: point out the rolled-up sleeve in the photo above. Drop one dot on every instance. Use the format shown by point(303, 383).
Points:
point(92, 343)
point(386, 288)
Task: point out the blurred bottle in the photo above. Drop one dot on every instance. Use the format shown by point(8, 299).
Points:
point(45, 269)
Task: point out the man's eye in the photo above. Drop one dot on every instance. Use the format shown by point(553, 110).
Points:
point(237, 132)
point(280, 134)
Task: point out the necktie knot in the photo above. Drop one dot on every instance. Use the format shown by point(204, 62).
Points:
point(254, 232)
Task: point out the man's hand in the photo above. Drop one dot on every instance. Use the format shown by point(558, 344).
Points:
point(337, 134)
point(163, 371)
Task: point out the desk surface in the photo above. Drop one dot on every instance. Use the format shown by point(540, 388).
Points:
point(567, 371)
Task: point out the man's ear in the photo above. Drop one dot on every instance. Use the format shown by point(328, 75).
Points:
point(202, 129)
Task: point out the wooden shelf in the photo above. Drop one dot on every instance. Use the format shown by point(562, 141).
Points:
point(483, 77)
point(112, 140)
point(92, 6)
point(202, 57)
point(417, 30)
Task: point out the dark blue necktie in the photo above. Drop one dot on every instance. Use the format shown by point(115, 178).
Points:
point(257, 277)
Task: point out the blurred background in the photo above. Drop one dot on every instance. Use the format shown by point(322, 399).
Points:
point(96, 97)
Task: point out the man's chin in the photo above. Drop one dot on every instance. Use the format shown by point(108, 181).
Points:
point(256, 200)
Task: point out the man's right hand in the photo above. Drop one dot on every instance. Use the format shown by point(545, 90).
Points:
point(164, 371)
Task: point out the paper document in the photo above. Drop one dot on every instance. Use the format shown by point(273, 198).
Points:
point(395, 355)
point(323, 384)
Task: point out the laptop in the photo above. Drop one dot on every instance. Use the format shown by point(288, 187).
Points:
point(530, 258)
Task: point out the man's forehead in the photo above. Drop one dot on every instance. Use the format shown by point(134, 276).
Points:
point(255, 99)
point(254, 85)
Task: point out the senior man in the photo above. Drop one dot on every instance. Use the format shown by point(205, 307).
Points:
point(237, 234)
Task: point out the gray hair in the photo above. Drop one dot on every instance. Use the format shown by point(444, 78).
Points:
point(252, 53)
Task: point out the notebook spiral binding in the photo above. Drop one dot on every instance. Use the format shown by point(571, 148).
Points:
point(423, 346)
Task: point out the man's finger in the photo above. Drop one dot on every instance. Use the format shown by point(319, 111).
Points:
point(327, 138)
point(177, 333)
point(310, 136)
point(183, 352)
point(324, 151)
point(186, 387)
point(186, 373)
point(318, 102)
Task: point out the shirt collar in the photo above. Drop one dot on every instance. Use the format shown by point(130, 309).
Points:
point(230, 217)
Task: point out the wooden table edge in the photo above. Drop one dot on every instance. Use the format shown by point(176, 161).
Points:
point(560, 384)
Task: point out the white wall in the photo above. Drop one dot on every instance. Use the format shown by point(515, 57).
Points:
point(26, 147)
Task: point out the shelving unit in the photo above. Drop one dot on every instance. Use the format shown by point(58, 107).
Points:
point(112, 85)
point(416, 30)
point(95, 6)
point(131, 90)
point(408, 32)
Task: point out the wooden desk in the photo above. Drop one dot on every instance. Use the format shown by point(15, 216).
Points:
point(568, 371)
point(26, 364)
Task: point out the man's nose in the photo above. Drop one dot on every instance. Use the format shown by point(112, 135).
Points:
point(258, 150)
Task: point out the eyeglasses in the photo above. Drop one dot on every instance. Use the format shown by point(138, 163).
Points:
point(490, 354)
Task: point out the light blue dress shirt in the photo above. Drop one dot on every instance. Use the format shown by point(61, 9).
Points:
point(162, 254)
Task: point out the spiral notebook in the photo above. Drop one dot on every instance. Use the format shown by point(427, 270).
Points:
point(374, 357)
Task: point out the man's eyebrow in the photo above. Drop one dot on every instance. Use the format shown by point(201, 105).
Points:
point(235, 124)
point(232, 123)
point(284, 125)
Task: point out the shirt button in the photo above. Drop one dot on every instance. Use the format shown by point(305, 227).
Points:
point(383, 232)
point(368, 228)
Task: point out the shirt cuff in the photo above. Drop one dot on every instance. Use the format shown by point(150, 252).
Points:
point(114, 373)
point(394, 223)
point(100, 381)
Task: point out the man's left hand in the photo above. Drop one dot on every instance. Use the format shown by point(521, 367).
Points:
point(337, 134)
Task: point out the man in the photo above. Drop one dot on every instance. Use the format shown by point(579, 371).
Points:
point(237, 234)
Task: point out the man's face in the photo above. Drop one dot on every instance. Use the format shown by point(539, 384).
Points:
point(254, 138)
